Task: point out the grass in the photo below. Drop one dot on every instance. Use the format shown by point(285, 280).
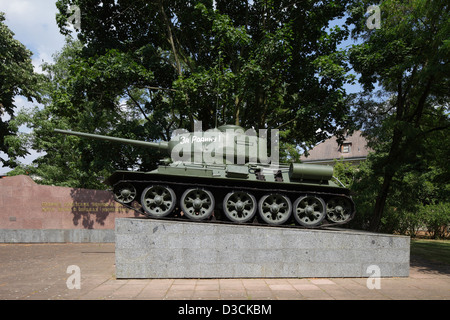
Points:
point(432, 250)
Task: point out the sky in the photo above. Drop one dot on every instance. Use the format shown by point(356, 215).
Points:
point(33, 23)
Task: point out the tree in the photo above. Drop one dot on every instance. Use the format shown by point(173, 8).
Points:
point(419, 194)
point(142, 69)
point(408, 58)
point(17, 78)
point(72, 161)
point(221, 64)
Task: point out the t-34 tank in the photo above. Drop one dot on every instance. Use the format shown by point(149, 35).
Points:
point(227, 173)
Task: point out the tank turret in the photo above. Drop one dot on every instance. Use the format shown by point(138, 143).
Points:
point(226, 144)
point(228, 174)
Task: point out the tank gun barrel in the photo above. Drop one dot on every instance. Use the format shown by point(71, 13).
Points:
point(163, 145)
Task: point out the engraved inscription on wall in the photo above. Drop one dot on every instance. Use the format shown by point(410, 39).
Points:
point(82, 207)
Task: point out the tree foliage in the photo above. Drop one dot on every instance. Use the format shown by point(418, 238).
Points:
point(418, 199)
point(222, 64)
point(71, 161)
point(141, 69)
point(408, 57)
point(17, 78)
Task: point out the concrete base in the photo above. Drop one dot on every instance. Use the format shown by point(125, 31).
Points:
point(148, 248)
point(55, 235)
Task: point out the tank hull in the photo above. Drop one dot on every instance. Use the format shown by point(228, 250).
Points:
point(234, 196)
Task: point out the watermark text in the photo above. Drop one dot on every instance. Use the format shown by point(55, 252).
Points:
point(374, 20)
point(74, 280)
point(374, 280)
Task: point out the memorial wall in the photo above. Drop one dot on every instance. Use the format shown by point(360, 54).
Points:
point(30, 212)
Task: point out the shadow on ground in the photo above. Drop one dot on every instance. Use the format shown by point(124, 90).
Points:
point(427, 266)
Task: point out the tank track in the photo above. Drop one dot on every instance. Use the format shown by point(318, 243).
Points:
point(244, 205)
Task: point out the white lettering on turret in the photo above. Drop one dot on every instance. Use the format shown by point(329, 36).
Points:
point(184, 140)
point(231, 147)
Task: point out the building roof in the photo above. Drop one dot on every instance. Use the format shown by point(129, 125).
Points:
point(354, 148)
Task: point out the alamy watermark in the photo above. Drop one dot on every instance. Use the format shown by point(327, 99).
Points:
point(74, 280)
point(374, 20)
point(74, 19)
point(374, 280)
point(231, 145)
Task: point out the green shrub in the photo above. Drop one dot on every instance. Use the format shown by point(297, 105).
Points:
point(437, 219)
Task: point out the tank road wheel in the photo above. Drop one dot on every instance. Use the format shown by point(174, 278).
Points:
point(339, 209)
point(158, 201)
point(197, 204)
point(239, 206)
point(309, 211)
point(275, 208)
point(124, 192)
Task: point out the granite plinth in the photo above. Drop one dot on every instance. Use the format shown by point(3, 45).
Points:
point(147, 248)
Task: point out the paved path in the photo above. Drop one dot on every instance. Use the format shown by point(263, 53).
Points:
point(39, 271)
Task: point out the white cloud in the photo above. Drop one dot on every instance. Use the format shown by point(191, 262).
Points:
point(34, 25)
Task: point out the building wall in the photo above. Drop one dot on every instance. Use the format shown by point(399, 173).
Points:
point(353, 149)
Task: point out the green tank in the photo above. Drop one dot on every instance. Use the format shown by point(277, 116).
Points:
point(225, 174)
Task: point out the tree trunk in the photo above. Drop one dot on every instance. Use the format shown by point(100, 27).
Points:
point(380, 202)
point(170, 38)
point(389, 172)
point(236, 113)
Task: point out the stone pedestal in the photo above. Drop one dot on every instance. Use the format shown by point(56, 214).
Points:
point(147, 248)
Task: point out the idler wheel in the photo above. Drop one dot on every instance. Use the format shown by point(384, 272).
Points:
point(124, 192)
point(158, 201)
point(197, 204)
point(275, 209)
point(309, 211)
point(339, 209)
point(239, 206)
